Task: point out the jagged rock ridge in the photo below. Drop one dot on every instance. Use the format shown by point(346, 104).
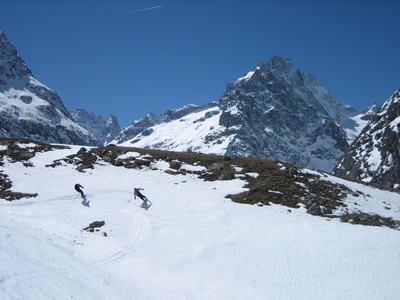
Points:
point(29, 109)
point(105, 129)
point(375, 156)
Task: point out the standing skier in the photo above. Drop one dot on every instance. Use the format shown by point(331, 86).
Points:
point(78, 189)
point(136, 192)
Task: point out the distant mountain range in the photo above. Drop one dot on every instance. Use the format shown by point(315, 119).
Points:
point(272, 112)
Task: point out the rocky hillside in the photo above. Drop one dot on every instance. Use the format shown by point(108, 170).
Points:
point(375, 156)
point(268, 182)
point(29, 109)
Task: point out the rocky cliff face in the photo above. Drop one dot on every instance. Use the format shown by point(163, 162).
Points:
point(374, 157)
point(277, 113)
point(272, 112)
point(104, 129)
point(29, 109)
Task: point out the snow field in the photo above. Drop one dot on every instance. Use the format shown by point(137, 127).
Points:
point(188, 132)
point(192, 243)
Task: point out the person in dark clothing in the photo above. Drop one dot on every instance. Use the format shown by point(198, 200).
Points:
point(78, 189)
point(136, 192)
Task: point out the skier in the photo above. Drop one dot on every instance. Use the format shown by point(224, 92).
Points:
point(136, 192)
point(78, 189)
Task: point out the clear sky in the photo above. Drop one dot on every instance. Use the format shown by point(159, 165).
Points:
point(128, 58)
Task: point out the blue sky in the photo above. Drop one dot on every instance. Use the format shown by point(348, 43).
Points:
point(128, 58)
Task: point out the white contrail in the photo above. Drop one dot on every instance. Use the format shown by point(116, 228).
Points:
point(144, 9)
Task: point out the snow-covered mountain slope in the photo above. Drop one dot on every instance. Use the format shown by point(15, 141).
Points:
point(192, 132)
point(272, 112)
point(375, 156)
point(360, 121)
point(29, 109)
point(192, 242)
point(143, 127)
point(105, 129)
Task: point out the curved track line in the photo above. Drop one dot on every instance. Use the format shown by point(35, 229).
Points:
point(134, 239)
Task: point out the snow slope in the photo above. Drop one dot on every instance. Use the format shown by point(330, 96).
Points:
point(189, 133)
point(192, 243)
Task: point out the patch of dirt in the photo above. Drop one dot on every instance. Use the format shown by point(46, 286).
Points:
point(19, 150)
point(94, 227)
point(371, 220)
point(83, 160)
point(24, 149)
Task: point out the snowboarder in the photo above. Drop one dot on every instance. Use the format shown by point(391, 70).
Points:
point(78, 189)
point(136, 192)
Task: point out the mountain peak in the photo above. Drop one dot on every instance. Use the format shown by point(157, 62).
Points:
point(277, 63)
point(105, 129)
point(29, 109)
point(12, 66)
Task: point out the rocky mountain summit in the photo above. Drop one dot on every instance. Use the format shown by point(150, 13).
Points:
point(285, 115)
point(272, 112)
point(375, 156)
point(105, 129)
point(29, 109)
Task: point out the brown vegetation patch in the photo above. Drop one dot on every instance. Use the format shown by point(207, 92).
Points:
point(19, 150)
point(24, 149)
point(371, 220)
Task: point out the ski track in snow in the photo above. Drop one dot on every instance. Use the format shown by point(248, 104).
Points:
point(192, 243)
point(132, 234)
point(31, 280)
